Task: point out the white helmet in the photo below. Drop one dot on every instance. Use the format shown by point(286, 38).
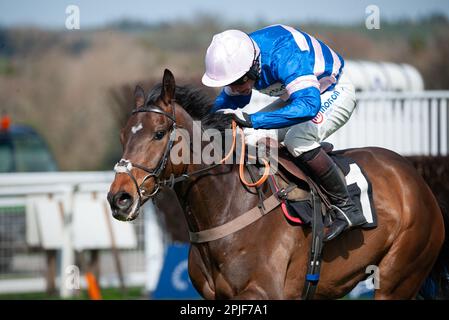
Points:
point(229, 56)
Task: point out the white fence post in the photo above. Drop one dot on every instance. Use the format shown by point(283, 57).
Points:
point(443, 127)
point(434, 127)
point(154, 247)
point(67, 284)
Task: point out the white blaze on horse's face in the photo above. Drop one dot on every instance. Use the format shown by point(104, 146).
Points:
point(136, 128)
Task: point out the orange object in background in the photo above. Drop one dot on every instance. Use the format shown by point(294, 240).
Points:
point(92, 287)
point(5, 123)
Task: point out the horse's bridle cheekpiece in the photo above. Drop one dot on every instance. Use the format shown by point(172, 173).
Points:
point(125, 166)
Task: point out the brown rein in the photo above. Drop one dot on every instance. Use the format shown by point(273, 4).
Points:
point(242, 159)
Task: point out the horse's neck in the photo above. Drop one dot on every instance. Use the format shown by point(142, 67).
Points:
point(214, 198)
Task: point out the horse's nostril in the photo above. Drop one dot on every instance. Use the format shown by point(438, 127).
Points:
point(122, 200)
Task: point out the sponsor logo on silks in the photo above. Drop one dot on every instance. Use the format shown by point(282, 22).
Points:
point(324, 106)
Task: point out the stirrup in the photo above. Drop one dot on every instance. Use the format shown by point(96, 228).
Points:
point(338, 226)
point(341, 212)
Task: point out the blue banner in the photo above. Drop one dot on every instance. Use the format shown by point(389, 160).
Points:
point(174, 281)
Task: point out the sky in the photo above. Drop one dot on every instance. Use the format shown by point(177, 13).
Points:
point(51, 13)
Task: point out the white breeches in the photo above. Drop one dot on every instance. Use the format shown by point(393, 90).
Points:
point(337, 106)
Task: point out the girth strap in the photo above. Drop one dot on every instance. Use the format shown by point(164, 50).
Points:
point(237, 224)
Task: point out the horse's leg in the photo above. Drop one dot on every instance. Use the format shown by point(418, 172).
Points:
point(414, 251)
point(257, 292)
point(251, 294)
point(199, 275)
point(404, 268)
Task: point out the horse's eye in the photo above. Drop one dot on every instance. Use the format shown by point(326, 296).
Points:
point(159, 135)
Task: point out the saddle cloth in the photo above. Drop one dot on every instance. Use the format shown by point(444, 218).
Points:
point(298, 206)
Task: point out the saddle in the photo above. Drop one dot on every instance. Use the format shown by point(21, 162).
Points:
point(293, 184)
point(298, 201)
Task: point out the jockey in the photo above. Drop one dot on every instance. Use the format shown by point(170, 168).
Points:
point(316, 99)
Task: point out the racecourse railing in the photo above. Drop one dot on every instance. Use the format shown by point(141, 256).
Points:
point(24, 258)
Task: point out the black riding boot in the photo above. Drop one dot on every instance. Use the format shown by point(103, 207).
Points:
point(326, 173)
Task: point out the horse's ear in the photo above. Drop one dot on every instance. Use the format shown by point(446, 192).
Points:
point(139, 97)
point(168, 87)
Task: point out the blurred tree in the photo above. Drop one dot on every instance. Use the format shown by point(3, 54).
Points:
point(437, 71)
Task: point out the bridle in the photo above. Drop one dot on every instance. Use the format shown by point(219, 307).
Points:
point(125, 166)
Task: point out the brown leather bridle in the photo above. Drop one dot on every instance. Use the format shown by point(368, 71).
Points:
point(125, 166)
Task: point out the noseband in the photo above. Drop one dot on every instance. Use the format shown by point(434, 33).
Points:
point(125, 166)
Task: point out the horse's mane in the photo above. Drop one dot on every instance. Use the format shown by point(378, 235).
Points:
point(198, 104)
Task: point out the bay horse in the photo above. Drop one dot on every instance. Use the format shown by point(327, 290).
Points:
point(268, 258)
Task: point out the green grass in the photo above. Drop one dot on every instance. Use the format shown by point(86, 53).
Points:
point(133, 293)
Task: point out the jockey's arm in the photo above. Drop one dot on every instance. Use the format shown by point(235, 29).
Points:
point(294, 68)
point(303, 105)
point(227, 100)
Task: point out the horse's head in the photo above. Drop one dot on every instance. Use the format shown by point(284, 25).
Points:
point(147, 139)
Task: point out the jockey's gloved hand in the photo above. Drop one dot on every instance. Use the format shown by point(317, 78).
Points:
point(241, 118)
